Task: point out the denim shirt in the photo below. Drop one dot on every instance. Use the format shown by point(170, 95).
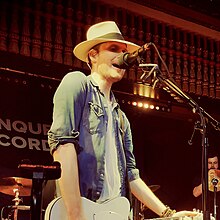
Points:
point(80, 117)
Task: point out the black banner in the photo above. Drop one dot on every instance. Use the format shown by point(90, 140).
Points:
point(25, 118)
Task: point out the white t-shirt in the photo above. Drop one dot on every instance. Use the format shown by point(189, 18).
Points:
point(112, 181)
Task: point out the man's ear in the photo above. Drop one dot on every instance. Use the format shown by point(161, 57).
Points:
point(92, 54)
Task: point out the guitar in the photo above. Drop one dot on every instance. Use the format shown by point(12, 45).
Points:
point(117, 209)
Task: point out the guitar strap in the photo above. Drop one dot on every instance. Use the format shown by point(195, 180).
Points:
point(123, 142)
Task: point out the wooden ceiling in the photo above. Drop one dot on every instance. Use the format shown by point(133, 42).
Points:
point(205, 12)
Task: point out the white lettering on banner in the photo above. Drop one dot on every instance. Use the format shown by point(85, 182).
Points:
point(6, 125)
point(45, 145)
point(37, 129)
point(23, 127)
point(5, 144)
point(20, 142)
point(30, 125)
point(19, 126)
point(46, 128)
point(33, 143)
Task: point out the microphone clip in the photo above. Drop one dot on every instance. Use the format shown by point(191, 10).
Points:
point(149, 71)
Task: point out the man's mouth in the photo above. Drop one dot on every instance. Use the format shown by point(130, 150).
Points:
point(115, 66)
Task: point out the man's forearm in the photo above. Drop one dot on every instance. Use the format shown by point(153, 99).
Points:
point(142, 192)
point(69, 181)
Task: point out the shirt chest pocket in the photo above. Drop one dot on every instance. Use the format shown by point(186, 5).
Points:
point(94, 118)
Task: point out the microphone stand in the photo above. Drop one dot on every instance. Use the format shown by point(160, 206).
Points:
point(215, 183)
point(204, 117)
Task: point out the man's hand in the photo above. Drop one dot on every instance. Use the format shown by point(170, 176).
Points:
point(190, 215)
point(196, 215)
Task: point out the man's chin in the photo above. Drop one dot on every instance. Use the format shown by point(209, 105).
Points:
point(118, 77)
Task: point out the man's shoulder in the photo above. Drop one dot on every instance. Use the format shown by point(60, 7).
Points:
point(73, 81)
point(75, 78)
point(75, 75)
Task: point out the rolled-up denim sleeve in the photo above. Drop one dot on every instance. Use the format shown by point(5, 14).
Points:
point(68, 105)
point(133, 172)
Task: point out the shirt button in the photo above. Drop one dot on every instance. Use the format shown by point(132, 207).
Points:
point(101, 174)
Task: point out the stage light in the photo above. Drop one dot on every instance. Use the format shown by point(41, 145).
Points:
point(143, 104)
point(140, 104)
point(151, 106)
point(146, 105)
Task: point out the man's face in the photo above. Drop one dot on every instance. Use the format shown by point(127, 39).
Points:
point(104, 61)
point(213, 163)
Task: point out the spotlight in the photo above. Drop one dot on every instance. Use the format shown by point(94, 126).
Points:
point(151, 106)
point(146, 105)
point(140, 104)
point(134, 103)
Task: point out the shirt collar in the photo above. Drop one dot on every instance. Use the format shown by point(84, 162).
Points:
point(112, 97)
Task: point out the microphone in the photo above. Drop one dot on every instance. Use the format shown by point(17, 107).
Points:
point(126, 60)
point(214, 181)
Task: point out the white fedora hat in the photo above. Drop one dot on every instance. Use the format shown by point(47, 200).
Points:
point(99, 33)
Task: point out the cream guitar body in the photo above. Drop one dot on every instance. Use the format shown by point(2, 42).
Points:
point(116, 209)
